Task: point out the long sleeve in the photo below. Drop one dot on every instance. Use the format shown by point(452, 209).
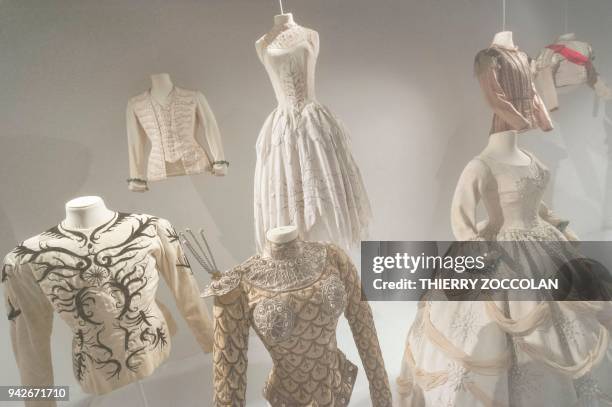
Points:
point(467, 195)
point(212, 136)
point(359, 316)
point(486, 72)
point(137, 141)
point(230, 357)
point(177, 273)
point(562, 224)
point(31, 322)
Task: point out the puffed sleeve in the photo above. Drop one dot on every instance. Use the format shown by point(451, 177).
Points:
point(314, 41)
point(469, 190)
point(545, 84)
point(137, 141)
point(485, 67)
point(544, 78)
point(175, 269)
point(561, 224)
point(231, 336)
point(359, 316)
point(30, 318)
point(211, 136)
point(541, 111)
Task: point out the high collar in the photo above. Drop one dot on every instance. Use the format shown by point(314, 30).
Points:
point(284, 251)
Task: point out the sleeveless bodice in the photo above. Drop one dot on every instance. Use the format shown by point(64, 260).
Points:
point(514, 195)
point(290, 60)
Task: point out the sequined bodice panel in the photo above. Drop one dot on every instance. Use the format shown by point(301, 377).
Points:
point(290, 60)
point(294, 301)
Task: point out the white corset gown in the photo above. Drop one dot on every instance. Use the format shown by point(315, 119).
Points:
point(508, 353)
point(305, 173)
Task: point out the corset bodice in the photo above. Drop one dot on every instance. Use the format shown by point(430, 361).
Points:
point(290, 60)
point(515, 194)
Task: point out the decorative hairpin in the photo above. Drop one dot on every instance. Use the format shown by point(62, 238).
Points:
point(198, 246)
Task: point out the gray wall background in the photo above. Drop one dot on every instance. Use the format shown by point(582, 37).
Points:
point(398, 73)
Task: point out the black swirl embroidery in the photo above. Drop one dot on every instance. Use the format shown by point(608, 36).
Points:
point(13, 312)
point(96, 284)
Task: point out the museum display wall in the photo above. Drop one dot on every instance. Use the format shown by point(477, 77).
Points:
point(398, 74)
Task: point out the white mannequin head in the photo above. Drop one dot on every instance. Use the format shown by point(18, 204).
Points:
point(86, 211)
point(504, 39)
point(286, 18)
point(282, 234)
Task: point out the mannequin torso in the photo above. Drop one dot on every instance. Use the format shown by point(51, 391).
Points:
point(503, 147)
point(86, 212)
point(285, 33)
point(161, 87)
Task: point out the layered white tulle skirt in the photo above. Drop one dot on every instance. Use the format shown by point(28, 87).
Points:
point(511, 353)
point(306, 176)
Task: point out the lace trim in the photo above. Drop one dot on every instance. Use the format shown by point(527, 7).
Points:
point(293, 274)
point(285, 36)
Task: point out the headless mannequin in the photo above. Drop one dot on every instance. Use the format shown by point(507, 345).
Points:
point(503, 146)
point(504, 39)
point(282, 22)
point(281, 236)
point(161, 87)
point(87, 212)
point(284, 237)
point(282, 19)
point(161, 91)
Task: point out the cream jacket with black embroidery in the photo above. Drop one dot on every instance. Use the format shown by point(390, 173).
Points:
point(294, 307)
point(102, 282)
point(183, 135)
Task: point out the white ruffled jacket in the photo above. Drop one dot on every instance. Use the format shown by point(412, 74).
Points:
point(185, 141)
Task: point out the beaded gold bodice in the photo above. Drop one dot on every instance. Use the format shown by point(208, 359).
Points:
point(294, 302)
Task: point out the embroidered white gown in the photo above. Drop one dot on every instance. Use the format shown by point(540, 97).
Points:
point(305, 174)
point(508, 353)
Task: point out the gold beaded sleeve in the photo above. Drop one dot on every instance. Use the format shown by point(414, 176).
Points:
point(231, 339)
point(359, 316)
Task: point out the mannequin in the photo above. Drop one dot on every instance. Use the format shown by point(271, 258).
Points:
point(503, 147)
point(282, 234)
point(283, 243)
point(286, 18)
point(161, 87)
point(293, 296)
point(86, 212)
point(161, 91)
point(504, 39)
